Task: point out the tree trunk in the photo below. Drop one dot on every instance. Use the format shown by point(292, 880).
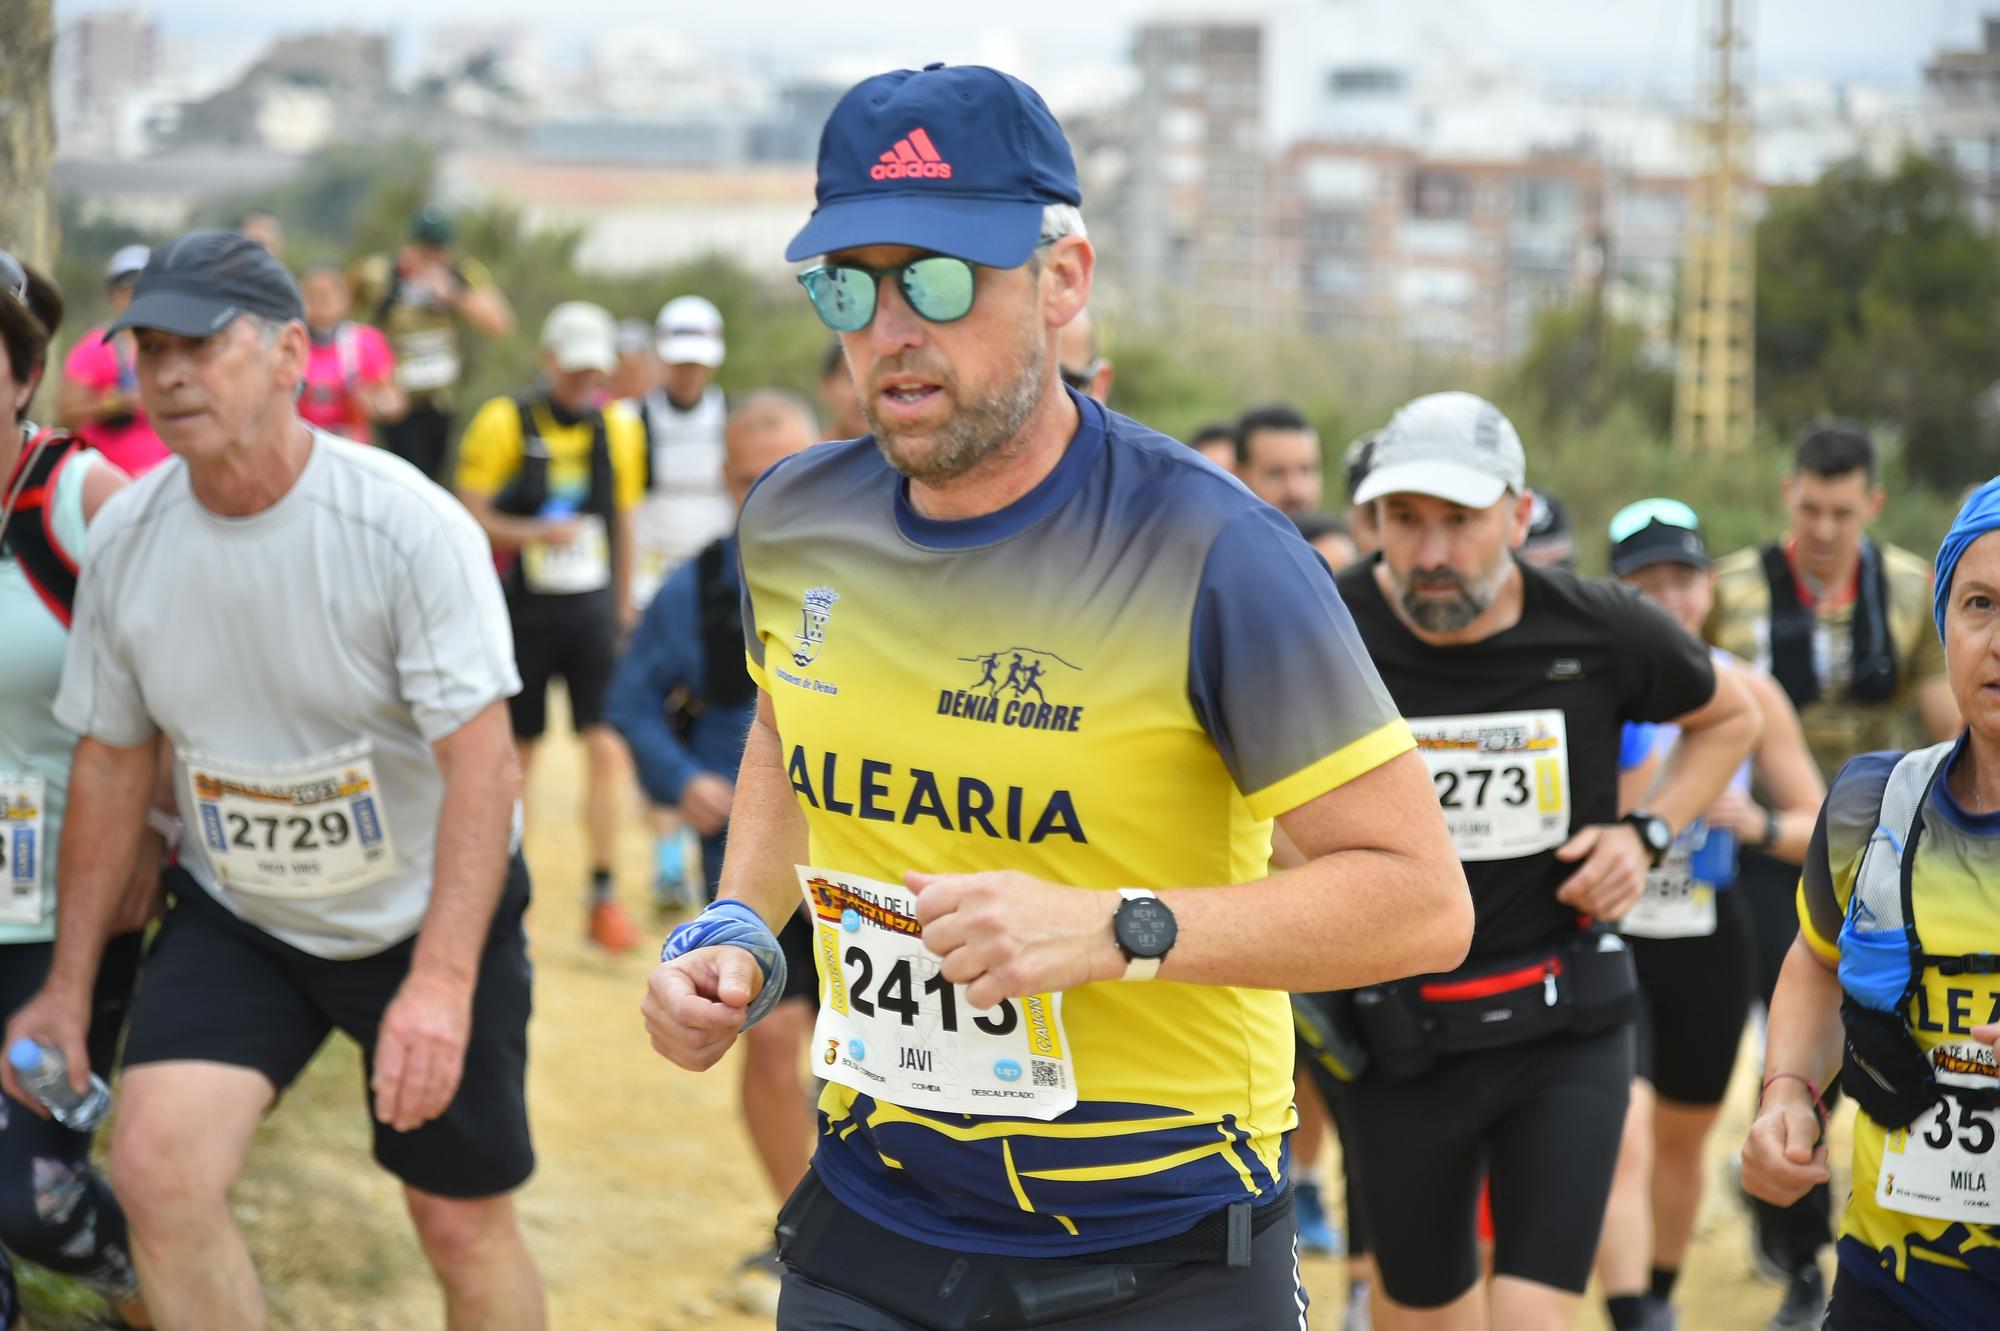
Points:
point(27, 131)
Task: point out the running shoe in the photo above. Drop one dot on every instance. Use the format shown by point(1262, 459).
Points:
point(759, 1277)
point(1316, 1232)
point(1805, 1301)
point(1660, 1315)
point(1357, 1316)
point(611, 928)
point(672, 891)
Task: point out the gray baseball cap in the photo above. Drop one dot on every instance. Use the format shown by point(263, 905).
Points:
point(1454, 446)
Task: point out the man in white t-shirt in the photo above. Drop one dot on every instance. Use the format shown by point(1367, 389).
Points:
point(319, 632)
point(686, 505)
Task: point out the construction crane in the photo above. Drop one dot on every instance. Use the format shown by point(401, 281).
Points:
point(1714, 375)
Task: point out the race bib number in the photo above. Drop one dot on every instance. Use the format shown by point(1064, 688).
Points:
point(427, 359)
point(891, 1026)
point(22, 809)
point(583, 565)
point(1675, 903)
point(1944, 1165)
point(1502, 779)
point(299, 830)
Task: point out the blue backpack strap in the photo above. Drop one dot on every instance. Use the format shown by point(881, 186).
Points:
point(1881, 959)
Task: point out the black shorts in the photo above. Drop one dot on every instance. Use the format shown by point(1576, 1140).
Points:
point(218, 990)
point(1858, 1306)
point(1541, 1120)
point(1694, 996)
point(575, 637)
point(421, 438)
point(795, 940)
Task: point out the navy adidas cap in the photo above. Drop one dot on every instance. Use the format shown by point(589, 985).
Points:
point(195, 284)
point(959, 160)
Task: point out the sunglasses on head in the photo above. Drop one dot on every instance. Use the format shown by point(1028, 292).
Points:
point(1080, 379)
point(14, 279)
point(1634, 518)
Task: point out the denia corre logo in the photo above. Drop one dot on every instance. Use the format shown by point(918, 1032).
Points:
point(1012, 689)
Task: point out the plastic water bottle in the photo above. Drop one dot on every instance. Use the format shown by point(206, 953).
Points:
point(44, 1074)
point(1713, 859)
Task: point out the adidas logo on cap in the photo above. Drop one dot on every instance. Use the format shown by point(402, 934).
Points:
point(913, 158)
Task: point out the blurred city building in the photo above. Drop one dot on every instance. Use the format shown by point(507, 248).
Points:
point(1361, 169)
point(1962, 115)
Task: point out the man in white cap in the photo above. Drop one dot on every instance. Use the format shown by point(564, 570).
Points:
point(686, 504)
point(686, 508)
point(98, 399)
point(1517, 681)
point(553, 478)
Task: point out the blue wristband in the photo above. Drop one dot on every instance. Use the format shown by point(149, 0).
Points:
point(733, 924)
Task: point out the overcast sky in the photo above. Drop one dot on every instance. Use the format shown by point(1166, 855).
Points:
point(1571, 41)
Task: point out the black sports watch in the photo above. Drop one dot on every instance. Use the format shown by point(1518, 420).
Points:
point(1654, 834)
point(1145, 930)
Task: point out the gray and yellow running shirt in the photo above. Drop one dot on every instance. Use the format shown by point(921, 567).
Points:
point(1116, 681)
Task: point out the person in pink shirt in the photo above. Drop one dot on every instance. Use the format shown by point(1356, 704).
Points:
point(98, 399)
point(350, 380)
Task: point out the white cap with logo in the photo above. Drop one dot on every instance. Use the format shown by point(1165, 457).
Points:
point(689, 330)
point(1454, 446)
point(581, 336)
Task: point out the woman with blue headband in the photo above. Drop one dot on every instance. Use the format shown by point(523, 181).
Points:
point(1895, 973)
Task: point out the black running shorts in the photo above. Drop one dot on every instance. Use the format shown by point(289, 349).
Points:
point(1694, 996)
point(217, 990)
point(1541, 1119)
point(574, 637)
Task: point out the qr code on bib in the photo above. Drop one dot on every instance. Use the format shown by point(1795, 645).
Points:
point(1046, 1073)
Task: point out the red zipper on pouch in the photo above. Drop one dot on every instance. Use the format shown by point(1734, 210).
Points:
point(1486, 986)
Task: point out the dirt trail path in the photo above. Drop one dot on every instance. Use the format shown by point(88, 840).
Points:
point(646, 1194)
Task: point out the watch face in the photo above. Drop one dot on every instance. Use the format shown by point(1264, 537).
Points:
point(1145, 928)
point(1654, 833)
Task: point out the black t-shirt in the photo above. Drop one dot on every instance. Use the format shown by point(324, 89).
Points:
point(1521, 731)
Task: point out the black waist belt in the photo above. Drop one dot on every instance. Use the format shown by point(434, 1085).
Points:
point(828, 1242)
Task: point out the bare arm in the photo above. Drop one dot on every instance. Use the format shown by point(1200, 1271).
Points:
point(110, 790)
point(1786, 767)
point(767, 829)
point(508, 532)
point(1634, 782)
point(103, 480)
point(621, 567)
point(1783, 1158)
point(695, 1004)
point(1715, 739)
point(420, 1052)
point(487, 311)
point(482, 780)
point(1381, 896)
point(1939, 709)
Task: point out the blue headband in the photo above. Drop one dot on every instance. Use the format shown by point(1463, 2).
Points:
point(1980, 515)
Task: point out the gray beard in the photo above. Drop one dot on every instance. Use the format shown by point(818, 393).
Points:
point(975, 432)
point(1435, 616)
